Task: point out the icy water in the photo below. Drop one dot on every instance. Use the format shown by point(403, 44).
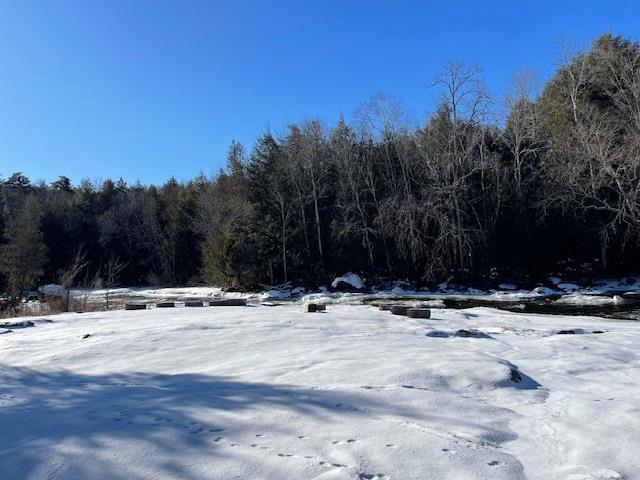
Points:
point(550, 306)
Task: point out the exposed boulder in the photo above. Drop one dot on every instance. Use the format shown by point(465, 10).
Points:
point(308, 307)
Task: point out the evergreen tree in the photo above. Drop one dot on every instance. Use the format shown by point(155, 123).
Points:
point(23, 257)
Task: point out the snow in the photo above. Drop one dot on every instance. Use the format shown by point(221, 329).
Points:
point(350, 393)
point(507, 286)
point(350, 278)
point(54, 290)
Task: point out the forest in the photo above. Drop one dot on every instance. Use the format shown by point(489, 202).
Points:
point(545, 179)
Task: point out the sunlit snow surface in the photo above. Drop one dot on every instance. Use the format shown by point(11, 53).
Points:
point(263, 392)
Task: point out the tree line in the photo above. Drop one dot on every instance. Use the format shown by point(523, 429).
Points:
point(548, 178)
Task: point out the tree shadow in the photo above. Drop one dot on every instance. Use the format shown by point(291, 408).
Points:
point(39, 411)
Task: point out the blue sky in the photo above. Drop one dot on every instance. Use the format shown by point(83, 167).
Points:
point(147, 89)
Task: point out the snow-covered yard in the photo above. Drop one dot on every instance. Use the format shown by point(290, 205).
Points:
point(263, 392)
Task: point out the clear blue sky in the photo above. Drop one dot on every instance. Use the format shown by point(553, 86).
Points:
point(147, 89)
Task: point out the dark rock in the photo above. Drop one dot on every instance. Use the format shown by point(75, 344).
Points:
point(194, 303)
point(86, 335)
point(346, 287)
point(384, 306)
point(307, 307)
point(419, 313)
point(135, 306)
point(399, 309)
point(228, 302)
point(165, 305)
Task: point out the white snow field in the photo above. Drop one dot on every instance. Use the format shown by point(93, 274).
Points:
point(263, 392)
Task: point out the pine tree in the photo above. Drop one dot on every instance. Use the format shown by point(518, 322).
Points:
point(24, 255)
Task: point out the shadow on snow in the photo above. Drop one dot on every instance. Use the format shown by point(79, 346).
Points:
point(164, 413)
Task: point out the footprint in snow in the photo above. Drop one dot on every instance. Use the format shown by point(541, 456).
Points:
point(329, 464)
point(342, 442)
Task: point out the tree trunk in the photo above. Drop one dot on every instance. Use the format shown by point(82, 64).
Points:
point(603, 255)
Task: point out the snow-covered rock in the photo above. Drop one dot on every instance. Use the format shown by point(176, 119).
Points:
point(398, 290)
point(297, 291)
point(348, 282)
point(542, 291)
point(275, 294)
point(507, 286)
point(53, 290)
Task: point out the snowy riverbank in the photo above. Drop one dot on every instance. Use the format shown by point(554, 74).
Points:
point(353, 393)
